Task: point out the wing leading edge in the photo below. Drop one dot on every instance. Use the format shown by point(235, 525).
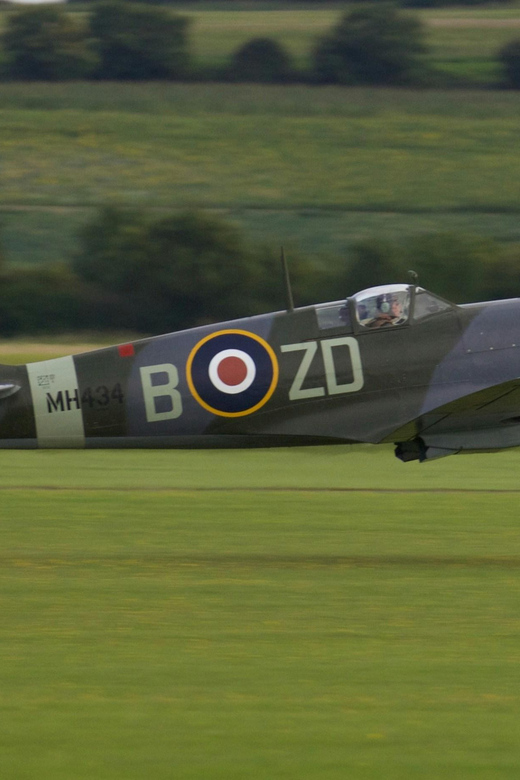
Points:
point(486, 420)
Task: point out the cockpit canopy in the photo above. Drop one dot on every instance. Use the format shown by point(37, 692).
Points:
point(383, 306)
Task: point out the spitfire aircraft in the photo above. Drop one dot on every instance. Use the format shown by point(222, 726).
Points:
point(390, 364)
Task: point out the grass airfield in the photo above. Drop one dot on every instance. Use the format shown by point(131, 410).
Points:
point(307, 613)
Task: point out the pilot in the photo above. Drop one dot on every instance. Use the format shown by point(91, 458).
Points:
point(389, 312)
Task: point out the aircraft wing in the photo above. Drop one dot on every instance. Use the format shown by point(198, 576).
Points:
point(486, 420)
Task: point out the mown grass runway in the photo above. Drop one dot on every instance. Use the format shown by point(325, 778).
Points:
point(307, 613)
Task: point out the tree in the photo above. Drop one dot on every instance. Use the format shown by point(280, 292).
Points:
point(451, 264)
point(262, 60)
point(137, 42)
point(111, 262)
point(371, 45)
point(373, 262)
point(201, 268)
point(179, 271)
point(456, 266)
point(185, 269)
point(42, 299)
point(113, 250)
point(46, 44)
point(509, 57)
point(500, 277)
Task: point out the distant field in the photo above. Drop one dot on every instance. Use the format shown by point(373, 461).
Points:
point(463, 43)
point(45, 235)
point(258, 614)
point(217, 34)
point(266, 147)
point(469, 36)
point(474, 35)
point(314, 168)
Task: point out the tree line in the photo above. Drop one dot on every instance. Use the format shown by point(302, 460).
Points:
point(283, 3)
point(146, 275)
point(376, 44)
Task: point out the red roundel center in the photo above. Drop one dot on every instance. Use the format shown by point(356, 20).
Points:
point(232, 370)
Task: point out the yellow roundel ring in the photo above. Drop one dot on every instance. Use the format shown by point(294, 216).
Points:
point(232, 373)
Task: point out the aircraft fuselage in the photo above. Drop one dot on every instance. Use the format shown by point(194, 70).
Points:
point(314, 375)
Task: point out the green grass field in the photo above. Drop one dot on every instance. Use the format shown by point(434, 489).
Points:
point(297, 614)
point(44, 235)
point(316, 613)
point(469, 35)
point(380, 162)
point(472, 36)
point(314, 169)
point(462, 43)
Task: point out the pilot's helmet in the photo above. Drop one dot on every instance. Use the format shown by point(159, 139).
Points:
point(384, 303)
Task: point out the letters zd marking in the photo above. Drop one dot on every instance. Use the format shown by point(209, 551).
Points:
point(332, 358)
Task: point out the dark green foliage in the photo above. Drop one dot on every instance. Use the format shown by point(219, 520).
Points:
point(509, 58)
point(374, 44)
point(45, 299)
point(112, 262)
point(501, 274)
point(179, 271)
point(198, 269)
point(136, 42)
point(191, 268)
point(311, 282)
point(443, 3)
point(113, 248)
point(261, 60)
point(460, 268)
point(183, 270)
point(373, 262)
point(451, 264)
point(46, 44)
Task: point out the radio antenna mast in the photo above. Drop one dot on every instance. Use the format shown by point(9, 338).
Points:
point(287, 282)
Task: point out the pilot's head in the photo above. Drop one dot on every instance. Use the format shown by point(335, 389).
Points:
point(396, 308)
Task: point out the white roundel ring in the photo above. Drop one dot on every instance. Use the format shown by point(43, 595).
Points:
point(232, 371)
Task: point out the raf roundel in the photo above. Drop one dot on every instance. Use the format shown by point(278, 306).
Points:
point(232, 372)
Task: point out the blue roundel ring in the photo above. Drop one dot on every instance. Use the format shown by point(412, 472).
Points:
point(232, 372)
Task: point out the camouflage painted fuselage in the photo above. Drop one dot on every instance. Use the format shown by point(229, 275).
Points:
point(440, 383)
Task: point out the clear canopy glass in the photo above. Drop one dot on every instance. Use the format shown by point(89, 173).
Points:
point(384, 306)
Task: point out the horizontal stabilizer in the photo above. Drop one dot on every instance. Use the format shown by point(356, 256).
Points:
point(7, 390)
